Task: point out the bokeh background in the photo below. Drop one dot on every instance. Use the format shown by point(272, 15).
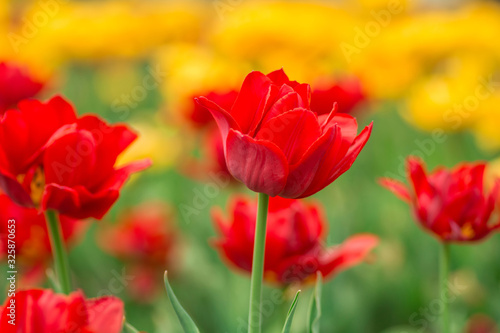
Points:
point(427, 73)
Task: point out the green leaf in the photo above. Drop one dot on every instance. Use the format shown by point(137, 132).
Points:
point(186, 322)
point(289, 316)
point(314, 314)
point(127, 328)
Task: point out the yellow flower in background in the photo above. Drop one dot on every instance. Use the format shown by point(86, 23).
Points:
point(162, 144)
point(193, 71)
point(438, 34)
point(413, 45)
point(97, 30)
point(302, 37)
point(453, 97)
point(486, 128)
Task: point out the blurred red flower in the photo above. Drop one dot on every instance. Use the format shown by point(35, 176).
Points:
point(451, 204)
point(294, 242)
point(43, 311)
point(16, 84)
point(481, 324)
point(199, 116)
point(143, 238)
point(276, 145)
point(347, 94)
point(32, 244)
point(49, 157)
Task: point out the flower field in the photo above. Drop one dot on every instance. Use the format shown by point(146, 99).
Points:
point(249, 166)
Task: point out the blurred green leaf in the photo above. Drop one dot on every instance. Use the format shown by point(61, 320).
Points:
point(289, 316)
point(314, 314)
point(127, 328)
point(401, 329)
point(186, 322)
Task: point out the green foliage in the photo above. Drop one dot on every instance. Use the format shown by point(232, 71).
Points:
point(291, 312)
point(314, 314)
point(186, 322)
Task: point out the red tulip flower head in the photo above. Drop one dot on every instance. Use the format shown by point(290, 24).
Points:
point(451, 204)
point(50, 158)
point(144, 238)
point(43, 311)
point(294, 241)
point(276, 145)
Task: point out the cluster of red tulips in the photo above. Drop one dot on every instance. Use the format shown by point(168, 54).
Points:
point(58, 168)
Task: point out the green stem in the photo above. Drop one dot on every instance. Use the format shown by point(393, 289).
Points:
point(61, 263)
point(444, 270)
point(255, 313)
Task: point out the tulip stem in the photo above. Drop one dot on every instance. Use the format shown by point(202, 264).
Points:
point(255, 313)
point(61, 262)
point(444, 270)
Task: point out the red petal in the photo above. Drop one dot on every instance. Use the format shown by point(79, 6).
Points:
point(304, 90)
point(350, 253)
point(15, 191)
point(251, 102)
point(418, 178)
point(396, 187)
point(288, 101)
point(70, 159)
point(224, 120)
point(279, 77)
point(303, 173)
point(260, 165)
point(106, 314)
point(13, 129)
point(78, 202)
point(121, 175)
point(338, 168)
point(347, 123)
point(77, 312)
point(293, 132)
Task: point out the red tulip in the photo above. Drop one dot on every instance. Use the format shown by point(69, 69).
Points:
point(347, 95)
point(23, 135)
point(50, 158)
point(143, 235)
point(451, 204)
point(79, 167)
point(146, 241)
point(32, 245)
point(43, 311)
point(294, 242)
point(275, 144)
point(16, 84)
